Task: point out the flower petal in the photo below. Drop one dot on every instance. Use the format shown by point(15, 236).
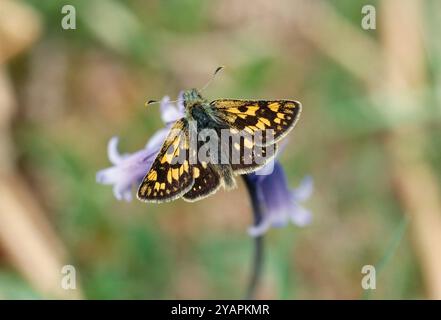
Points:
point(279, 203)
point(304, 190)
point(169, 111)
point(107, 176)
point(112, 151)
point(267, 169)
point(260, 229)
point(157, 140)
point(300, 216)
point(123, 191)
point(128, 171)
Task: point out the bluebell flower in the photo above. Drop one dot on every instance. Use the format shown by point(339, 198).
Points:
point(128, 170)
point(279, 203)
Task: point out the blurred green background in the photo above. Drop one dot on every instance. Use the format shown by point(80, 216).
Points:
point(368, 135)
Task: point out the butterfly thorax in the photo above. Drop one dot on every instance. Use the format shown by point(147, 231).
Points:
point(197, 109)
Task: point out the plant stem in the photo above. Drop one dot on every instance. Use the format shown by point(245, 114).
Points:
point(256, 268)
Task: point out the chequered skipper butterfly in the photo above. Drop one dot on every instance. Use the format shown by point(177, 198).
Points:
point(178, 170)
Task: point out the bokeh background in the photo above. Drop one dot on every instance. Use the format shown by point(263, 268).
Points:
point(369, 136)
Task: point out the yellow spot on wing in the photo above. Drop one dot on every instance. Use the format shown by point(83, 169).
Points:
point(233, 110)
point(274, 106)
point(175, 174)
point(280, 115)
point(260, 125)
point(251, 111)
point(157, 186)
point(163, 186)
point(169, 176)
point(166, 158)
point(196, 172)
point(153, 175)
point(265, 121)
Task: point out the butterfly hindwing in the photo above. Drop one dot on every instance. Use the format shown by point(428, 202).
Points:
point(206, 182)
point(254, 116)
point(171, 174)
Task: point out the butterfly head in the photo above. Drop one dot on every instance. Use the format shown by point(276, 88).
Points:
point(192, 97)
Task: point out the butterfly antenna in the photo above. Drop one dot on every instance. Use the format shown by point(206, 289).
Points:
point(212, 78)
point(150, 102)
point(218, 69)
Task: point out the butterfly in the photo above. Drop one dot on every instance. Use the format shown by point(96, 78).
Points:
point(186, 168)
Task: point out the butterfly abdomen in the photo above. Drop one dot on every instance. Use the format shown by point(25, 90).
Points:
point(226, 172)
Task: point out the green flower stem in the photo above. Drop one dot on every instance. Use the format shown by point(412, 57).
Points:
point(257, 264)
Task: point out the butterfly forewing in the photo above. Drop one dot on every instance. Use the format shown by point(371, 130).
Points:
point(171, 174)
point(279, 116)
point(255, 160)
point(244, 155)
